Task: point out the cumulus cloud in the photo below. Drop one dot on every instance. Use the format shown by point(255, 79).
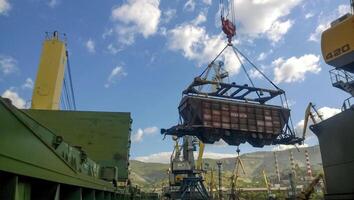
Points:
point(90, 46)
point(5, 7)
point(325, 21)
point(278, 29)
point(309, 15)
point(295, 69)
point(7, 64)
point(116, 74)
point(28, 84)
point(268, 18)
point(140, 133)
point(136, 17)
point(195, 44)
point(287, 147)
point(15, 98)
point(164, 157)
point(168, 15)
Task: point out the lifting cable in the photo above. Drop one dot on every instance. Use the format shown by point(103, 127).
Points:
point(244, 69)
point(68, 97)
point(66, 94)
point(70, 80)
point(256, 68)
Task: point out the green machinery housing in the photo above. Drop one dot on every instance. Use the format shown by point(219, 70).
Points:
point(64, 155)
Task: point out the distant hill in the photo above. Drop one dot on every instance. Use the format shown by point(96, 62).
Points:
point(154, 175)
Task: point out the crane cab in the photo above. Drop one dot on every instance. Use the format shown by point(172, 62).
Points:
point(337, 43)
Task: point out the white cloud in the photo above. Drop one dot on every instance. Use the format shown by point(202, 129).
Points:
point(161, 157)
point(168, 15)
point(343, 9)
point(113, 49)
point(140, 133)
point(5, 7)
point(116, 74)
point(309, 15)
point(15, 98)
point(325, 21)
point(90, 46)
point(315, 37)
point(107, 33)
point(278, 30)
point(136, 16)
point(195, 44)
point(164, 157)
point(151, 130)
point(294, 69)
point(287, 147)
point(264, 55)
point(138, 136)
point(201, 18)
point(213, 155)
point(53, 3)
point(268, 18)
point(255, 73)
point(28, 84)
point(208, 2)
point(189, 5)
point(7, 64)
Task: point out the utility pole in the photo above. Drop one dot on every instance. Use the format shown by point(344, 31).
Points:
point(219, 163)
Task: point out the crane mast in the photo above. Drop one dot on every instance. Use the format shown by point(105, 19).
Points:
point(50, 75)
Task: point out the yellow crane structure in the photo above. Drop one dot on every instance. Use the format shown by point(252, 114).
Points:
point(337, 42)
point(50, 75)
point(199, 162)
point(212, 184)
point(268, 186)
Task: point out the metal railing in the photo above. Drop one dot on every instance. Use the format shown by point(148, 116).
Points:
point(348, 103)
point(338, 75)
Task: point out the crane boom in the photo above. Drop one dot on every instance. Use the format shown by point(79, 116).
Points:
point(49, 81)
point(199, 164)
point(310, 114)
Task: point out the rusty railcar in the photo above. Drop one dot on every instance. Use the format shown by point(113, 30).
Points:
point(233, 121)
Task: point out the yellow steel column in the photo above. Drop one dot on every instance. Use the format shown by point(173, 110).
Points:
point(48, 85)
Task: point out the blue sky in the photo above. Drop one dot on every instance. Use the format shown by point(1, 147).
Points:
point(138, 55)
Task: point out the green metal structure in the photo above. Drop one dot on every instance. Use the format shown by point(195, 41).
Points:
point(104, 136)
point(64, 155)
